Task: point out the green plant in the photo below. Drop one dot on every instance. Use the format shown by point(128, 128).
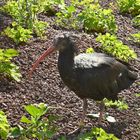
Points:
point(136, 21)
point(39, 27)
point(135, 37)
point(96, 19)
point(129, 6)
point(37, 126)
point(24, 13)
point(90, 50)
point(20, 12)
point(111, 45)
point(67, 17)
point(48, 6)
point(17, 33)
point(121, 105)
point(6, 66)
point(137, 95)
point(4, 126)
point(98, 134)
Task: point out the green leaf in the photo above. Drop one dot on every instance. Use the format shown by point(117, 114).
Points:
point(4, 125)
point(15, 132)
point(11, 52)
point(32, 110)
point(90, 50)
point(24, 119)
point(111, 45)
point(35, 111)
point(71, 9)
point(137, 95)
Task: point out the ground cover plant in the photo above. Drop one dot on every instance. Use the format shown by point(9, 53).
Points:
point(136, 37)
point(136, 21)
point(92, 17)
point(97, 27)
point(99, 133)
point(96, 19)
point(111, 45)
point(129, 6)
point(18, 33)
point(25, 16)
point(6, 66)
point(36, 126)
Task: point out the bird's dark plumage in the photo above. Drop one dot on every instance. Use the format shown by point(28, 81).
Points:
point(95, 75)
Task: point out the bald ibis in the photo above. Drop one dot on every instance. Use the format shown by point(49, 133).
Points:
point(95, 76)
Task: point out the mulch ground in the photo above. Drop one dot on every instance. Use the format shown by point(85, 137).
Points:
point(46, 85)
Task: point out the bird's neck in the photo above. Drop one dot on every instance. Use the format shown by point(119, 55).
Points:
point(66, 61)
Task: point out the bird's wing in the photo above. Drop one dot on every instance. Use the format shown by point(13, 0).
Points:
point(86, 60)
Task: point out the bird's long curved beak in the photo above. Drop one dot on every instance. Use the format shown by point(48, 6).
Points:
point(45, 54)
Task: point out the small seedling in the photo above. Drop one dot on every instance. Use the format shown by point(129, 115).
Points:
point(137, 95)
point(90, 50)
point(97, 133)
point(121, 105)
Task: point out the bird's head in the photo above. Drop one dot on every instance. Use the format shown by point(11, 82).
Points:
point(61, 41)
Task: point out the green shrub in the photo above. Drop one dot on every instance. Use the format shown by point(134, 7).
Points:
point(48, 6)
point(136, 37)
point(67, 17)
point(96, 19)
point(6, 66)
point(37, 126)
point(4, 126)
point(121, 105)
point(18, 33)
point(111, 45)
point(24, 13)
point(91, 17)
point(39, 28)
point(136, 21)
point(129, 6)
point(97, 133)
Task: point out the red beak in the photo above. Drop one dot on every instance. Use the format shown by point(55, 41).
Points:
point(45, 54)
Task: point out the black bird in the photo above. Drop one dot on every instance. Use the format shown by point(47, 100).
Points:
point(95, 76)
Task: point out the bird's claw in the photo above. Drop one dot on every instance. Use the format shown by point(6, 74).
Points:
point(76, 131)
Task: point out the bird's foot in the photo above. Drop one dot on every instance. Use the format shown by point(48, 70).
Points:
point(76, 131)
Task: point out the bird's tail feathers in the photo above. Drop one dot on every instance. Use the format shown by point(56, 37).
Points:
point(132, 75)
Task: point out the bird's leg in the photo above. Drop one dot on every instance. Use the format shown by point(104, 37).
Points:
point(84, 112)
point(102, 108)
point(81, 124)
